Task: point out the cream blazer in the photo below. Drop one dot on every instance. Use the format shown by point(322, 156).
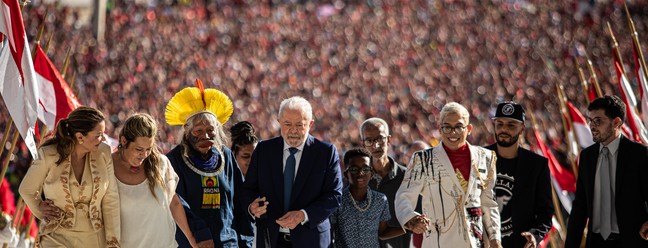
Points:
point(54, 181)
point(458, 218)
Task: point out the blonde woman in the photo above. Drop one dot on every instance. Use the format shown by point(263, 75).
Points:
point(147, 184)
point(71, 187)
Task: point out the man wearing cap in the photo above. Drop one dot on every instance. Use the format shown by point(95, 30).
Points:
point(523, 187)
point(206, 169)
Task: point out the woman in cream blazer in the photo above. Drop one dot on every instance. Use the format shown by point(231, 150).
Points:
point(74, 175)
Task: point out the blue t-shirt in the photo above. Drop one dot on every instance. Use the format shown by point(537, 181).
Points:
point(355, 228)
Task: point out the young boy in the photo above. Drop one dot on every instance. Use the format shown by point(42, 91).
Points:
point(362, 218)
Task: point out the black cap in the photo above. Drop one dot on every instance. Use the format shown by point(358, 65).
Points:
point(510, 110)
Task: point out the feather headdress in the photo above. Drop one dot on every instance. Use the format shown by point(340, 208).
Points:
point(194, 100)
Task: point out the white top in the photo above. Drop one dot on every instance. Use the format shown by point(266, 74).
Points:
point(147, 221)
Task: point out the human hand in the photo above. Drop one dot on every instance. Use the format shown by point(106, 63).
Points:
point(259, 207)
point(418, 224)
point(643, 231)
point(291, 219)
point(206, 244)
point(49, 210)
point(531, 241)
point(494, 243)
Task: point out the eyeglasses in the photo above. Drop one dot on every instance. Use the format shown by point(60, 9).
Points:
point(356, 170)
point(380, 140)
point(595, 121)
point(449, 129)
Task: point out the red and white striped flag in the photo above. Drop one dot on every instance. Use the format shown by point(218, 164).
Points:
point(643, 86)
point(563, 176)
point(17, 76)
point(640, 134)
point(56, 98)
point(581, 129)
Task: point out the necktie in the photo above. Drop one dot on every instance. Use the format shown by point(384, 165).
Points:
point(289, 175)
point(606, 194)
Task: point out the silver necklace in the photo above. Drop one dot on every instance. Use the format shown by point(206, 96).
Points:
point(355, 204)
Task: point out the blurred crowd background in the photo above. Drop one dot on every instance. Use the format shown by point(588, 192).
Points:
point(400, 60)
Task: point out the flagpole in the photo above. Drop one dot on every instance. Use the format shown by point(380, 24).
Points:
point(66, 63)
point(568, 123)
point(554, 199)
point(581, 76)
point(635, 41)
point(593, 76)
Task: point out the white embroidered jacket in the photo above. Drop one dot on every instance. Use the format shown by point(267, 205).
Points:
point(458, 218)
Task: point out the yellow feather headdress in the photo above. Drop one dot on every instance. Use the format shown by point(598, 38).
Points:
point(194, 100)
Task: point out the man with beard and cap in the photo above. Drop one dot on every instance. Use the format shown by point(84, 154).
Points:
point(612, 185)
point(523, 186)
point(207, 169)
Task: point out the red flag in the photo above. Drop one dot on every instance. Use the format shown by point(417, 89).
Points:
point(17, 76)
point(638, 130)
point(643, 85)
point(564, 177)
point(581, 129)
point(56, 98)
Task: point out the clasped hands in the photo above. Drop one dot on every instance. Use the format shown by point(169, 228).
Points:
point(419, 224)
point(50, 211)
point(289, 220)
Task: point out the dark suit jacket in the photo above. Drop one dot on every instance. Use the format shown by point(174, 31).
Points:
point(531, 199)
point(317, 189)
point(631, 194)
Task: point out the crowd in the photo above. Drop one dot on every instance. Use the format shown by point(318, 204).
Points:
point(398, 60)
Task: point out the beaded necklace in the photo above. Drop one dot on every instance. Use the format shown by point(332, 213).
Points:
point(355, 204)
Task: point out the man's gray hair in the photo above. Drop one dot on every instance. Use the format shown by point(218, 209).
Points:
point(373, 121)
point(296, 103)
point(455, 108)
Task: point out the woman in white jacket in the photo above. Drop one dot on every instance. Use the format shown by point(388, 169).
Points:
point(456, 180)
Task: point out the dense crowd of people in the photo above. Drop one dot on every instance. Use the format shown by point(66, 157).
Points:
point(398, 60)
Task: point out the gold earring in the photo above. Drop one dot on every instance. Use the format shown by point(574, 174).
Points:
point(80, 142)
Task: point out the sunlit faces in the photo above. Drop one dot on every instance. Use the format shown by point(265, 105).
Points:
point(91, 141)
point(507, 131)
point(243, 155)
point(202, 137)
point(376, 140)
point(454, 131)
point(135, 152)
point(602, 127)
point(359, 171)
point(294, 127)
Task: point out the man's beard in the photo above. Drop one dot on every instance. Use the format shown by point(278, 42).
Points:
point(513, 140)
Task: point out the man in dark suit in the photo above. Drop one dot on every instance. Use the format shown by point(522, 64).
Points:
point(612, 185)
point(294, 183)
point(523, 187)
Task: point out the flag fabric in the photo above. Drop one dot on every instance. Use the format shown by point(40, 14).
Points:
point(636, 126)
point(565, 178)
point(643, 85)
point(56, 98)
point(581, 129)
point(17, 76)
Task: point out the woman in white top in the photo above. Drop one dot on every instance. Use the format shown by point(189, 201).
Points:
point(146, 183)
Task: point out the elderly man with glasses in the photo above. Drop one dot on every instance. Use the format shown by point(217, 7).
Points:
point(388, 173)
point(456, 180)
